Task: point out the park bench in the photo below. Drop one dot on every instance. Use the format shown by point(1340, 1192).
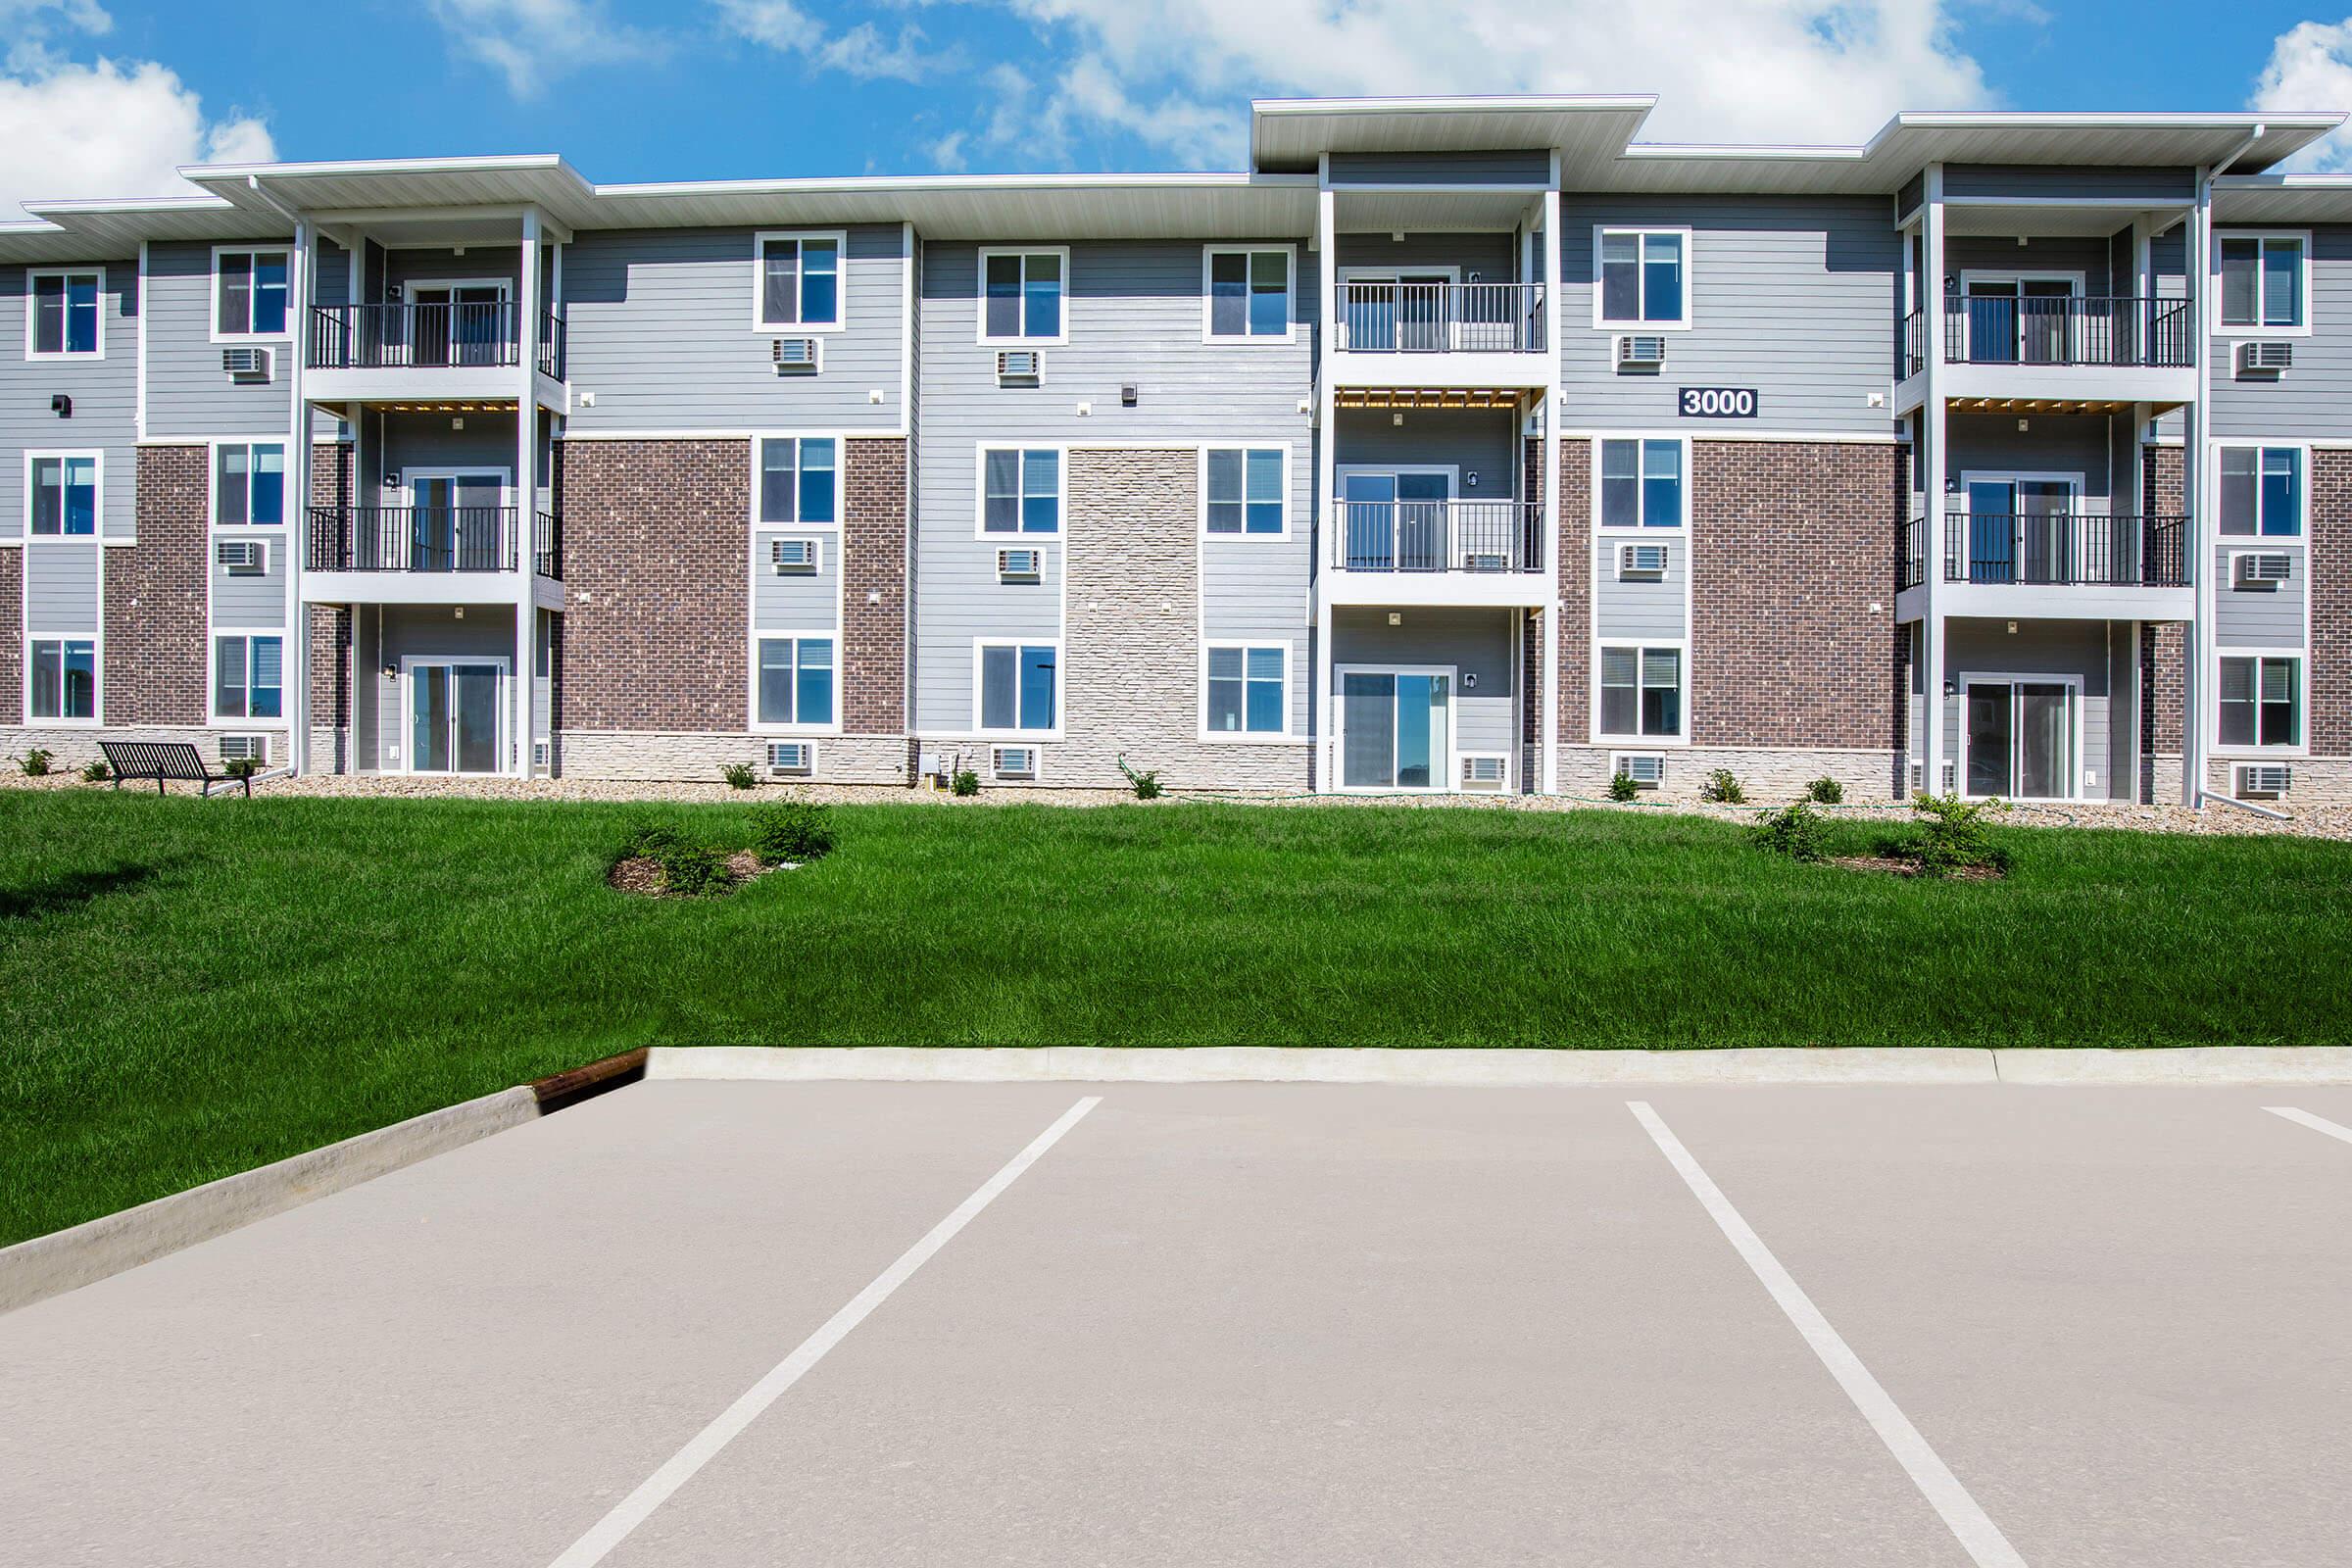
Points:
point(165, 759)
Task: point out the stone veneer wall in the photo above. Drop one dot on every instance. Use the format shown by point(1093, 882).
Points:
point(157, 599)
point(1131, 639)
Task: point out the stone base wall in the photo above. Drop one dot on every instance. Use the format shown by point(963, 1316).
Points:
point(2316, 781)
point(1767, 775)
point(74, 748)
point(698, 757)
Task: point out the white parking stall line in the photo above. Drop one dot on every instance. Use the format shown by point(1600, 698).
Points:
point(633, 1509)
point(2318, 1124)
point(1978, 1534)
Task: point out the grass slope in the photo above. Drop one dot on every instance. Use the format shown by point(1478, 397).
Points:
point(190, 988)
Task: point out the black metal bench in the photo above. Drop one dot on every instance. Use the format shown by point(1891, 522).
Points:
point(165, 760)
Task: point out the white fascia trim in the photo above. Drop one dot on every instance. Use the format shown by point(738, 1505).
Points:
point(841, 281)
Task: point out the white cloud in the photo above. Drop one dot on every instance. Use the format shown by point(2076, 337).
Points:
point(1799, 71)
point(859, 51)
point(532, 43)
point(2311, 68)
point(947, 153)
point(104, 128)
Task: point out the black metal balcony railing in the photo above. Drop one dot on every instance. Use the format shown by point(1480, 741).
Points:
point(2066, 550)
point(2114, 331)
point(1457, 536)
point(429, 539)
point(551, 345)
point(1441, 317)
point(1911, 352)
point(1911, 566)
point(371, 337)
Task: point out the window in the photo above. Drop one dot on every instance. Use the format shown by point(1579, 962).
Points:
point(2262, 700)
point(247, 678)
point(2262, 281)
point(1642, 278)
point(1021, 296)
point(799, 281)
point(249, 295)
point(1245, 490)
point(2262, 491)
point(1249, 294)
point(795, 680)
point(798, 481)
point(65, 678)
point(1246, 690)
point(64, 318)
point(248, 482)
point(64, 495)
point(1642, 484)
point(1020, 492)
point(1017, 686)
point(1642, 692)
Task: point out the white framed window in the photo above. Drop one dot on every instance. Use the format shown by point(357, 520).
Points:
point(2263, 280)
point(795, 680)
point(62, 494)
point(61, 680)
point(1021, 490)
point(65, 314)
point(1645, 483)
point(1246, 690)
point(1016, 687)
point(252, 296)
point(1640, 692)
point(249, 483)
point(1246, 293)
point(2259, 700)
point(2262, 490)
point(248, 675)
point(1245, 492)
point(797, 282)
point(1642, 278)
point(798, 480)
point(1024, 296)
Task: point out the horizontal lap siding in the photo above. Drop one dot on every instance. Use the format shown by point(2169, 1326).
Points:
point(1483, 445)
point(2073, 183)
point(2308, 401)
point(1493, 257)
point(1641, 608)
point(2259, 617)
point(251, 600)
point(61, 587)
point(2054, 444)
point(187, 392)
point(1531, 166)
point(104, 394)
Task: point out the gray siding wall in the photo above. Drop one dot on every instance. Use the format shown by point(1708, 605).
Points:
point(1986, 647)
point(251, 601)
point(1477, 642)
point(432, 263)
point(1523, 167)
point(187, 393)
point(61, 588)
point(104, 391)
point(659, 326)
point(2309, 401)
point(2260, 617)
point(487, 632)
point(1970, 253)
point(1255, 590)
point(2070, 182)
point(1133, 315)
point(795, 600)
point(1494, 258)
point(1793, 298)
point(1641, 608)
point(1484, 444)
point(2053, 444)
point(397, 441)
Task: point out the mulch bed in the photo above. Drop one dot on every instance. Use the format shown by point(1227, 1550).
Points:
point(1903, 865)
point(642, 875)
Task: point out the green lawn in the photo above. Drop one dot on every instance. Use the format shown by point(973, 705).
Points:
point(193, 986)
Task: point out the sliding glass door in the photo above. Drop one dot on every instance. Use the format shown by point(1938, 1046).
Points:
point(1396, 730)
point(454, 712)
point(2020, 739)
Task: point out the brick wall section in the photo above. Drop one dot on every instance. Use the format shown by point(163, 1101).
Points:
point(2162, 647)
point(1792, 543)
point(157, 599)
point(874, 554)
point(330, 475)
point(2328, 701)
point(1575, 630)
point(12, 636)
point(330, 666)
point(657, 540)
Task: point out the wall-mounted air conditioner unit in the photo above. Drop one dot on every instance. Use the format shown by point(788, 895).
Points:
point(1638, 562)
point(242, 557)
point(799, 354)
point(1021, 566)
point(1648, 769)
point(793, 554)
point(245, 748)
point(248, 364)
point(2268, 779)
point(2265, 359)
point(1012, 761)
point(791, 758)
point(1486, 560)
point(2262, 569)
point(1020, 368)
point(1641, 351)
point(1487, 771)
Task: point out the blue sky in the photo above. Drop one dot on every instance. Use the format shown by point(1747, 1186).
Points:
point(101, 96)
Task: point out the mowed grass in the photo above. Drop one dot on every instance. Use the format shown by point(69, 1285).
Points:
point(190, 988)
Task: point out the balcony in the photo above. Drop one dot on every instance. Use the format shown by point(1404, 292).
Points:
point(2056, 563)
point(423, 350)
point(1450, 334)
point(2003, 350)
point(423, 554)
point(1437, 552)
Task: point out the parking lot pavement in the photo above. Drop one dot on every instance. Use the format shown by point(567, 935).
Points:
point(696, 1323)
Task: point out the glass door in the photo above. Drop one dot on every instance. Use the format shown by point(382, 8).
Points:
point(1369, 500)
point(1421, 520)
point(453, 717)
point(1403, 311)
point(457, 522)
point(2021, 531)
point(2020, 739)
point(1992, 320)
point(1395, 730)
point(2046, 326)
point(458, 323)
point(1991, 739)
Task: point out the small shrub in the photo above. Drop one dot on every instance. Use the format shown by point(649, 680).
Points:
point(35, 762)
point(1796, 830)
point(1147, 785)
point(241, 766)
point(1622, 787)
point(740, 776)
point(967, 782)
point(1826, 790)
point(649, 841)
point(1952, 835)
point(1723, 789)
point(695, 870)
point(791, 830)
point(93, 773)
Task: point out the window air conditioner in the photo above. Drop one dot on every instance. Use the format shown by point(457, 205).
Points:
point(248, 364)
point(1020, 368)
point(1484, 771)
point(2265, 359)
point(243, 558)
point(1641, 561)
point(1020, 566)
point(799, 354)
point(2266, 568)
point(1644, 351)
point(244, 748)
point(1012, 761)
point(791, 758)
point(1648, 769)
point(793, 554)
point(2263, 778)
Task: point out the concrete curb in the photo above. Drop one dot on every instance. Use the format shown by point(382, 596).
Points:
point(63, 1261)
point(1507, 1068)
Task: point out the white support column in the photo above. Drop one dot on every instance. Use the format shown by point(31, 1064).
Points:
point(2196, 651)
point(526, 493)
point(1549, 475)
point(297, 644)
point(1932, 462)
point(1323, 709)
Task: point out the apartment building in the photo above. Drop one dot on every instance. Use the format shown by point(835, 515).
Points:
point(1456, 445)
